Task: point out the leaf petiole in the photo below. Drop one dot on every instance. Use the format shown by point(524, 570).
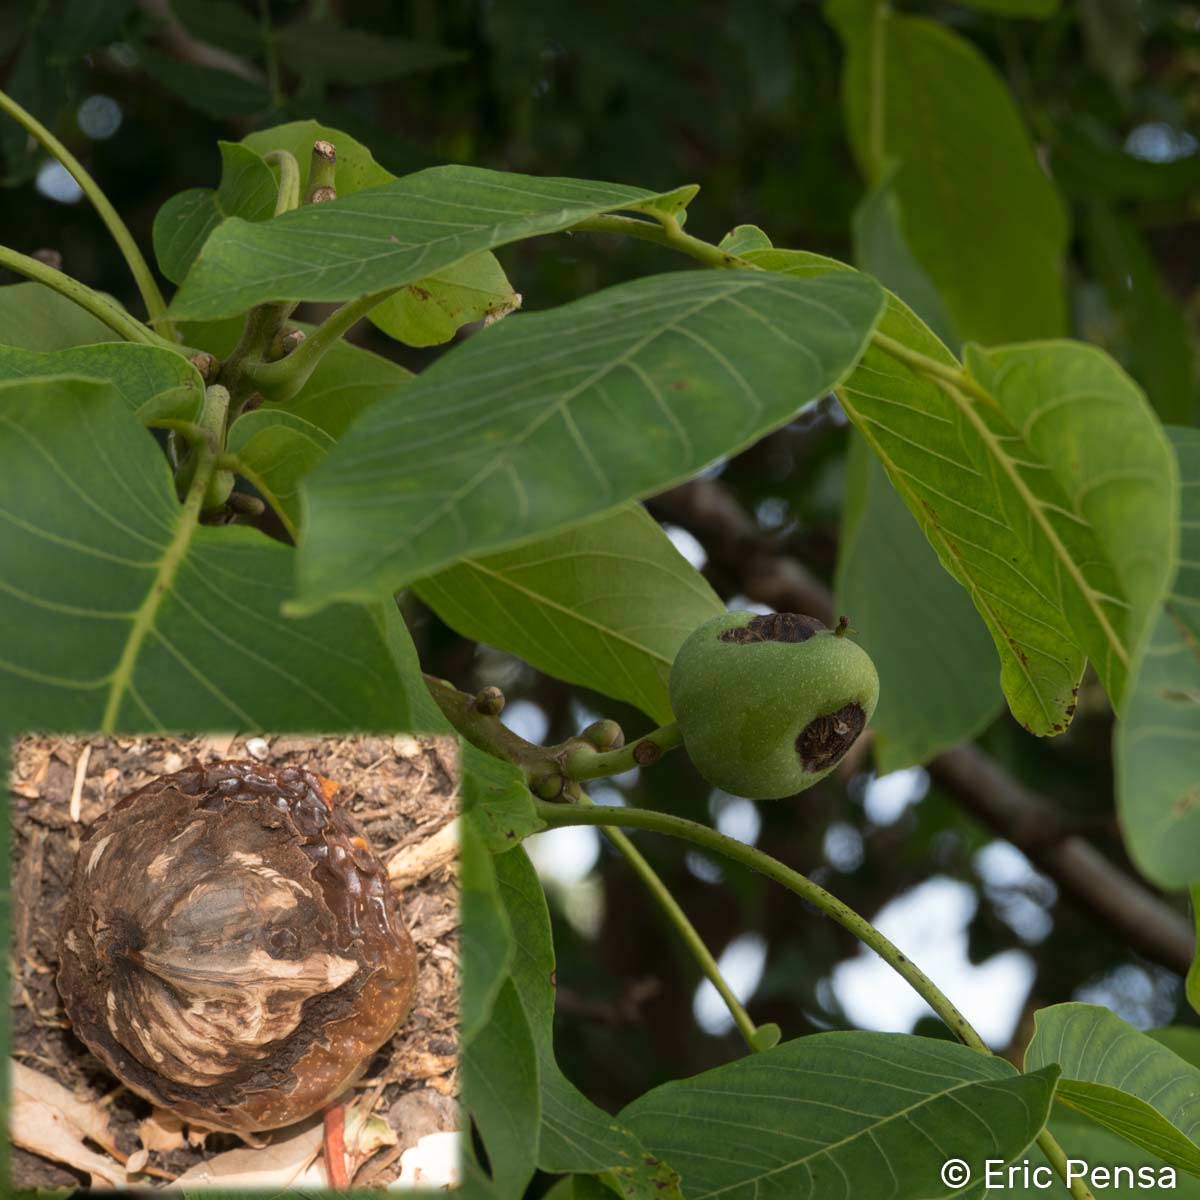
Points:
point(280, 381)
point(289, 180)
point(99, 305)
point(686, 930)
point(152, 297)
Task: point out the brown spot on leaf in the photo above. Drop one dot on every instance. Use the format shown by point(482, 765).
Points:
point(774, 627)
point(1186, 803)
point(824, 740)
point(418, 291)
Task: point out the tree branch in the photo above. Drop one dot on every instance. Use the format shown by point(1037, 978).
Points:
point(764, 572)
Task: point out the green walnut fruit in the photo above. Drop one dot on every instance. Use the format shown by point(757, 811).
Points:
point(767, 705)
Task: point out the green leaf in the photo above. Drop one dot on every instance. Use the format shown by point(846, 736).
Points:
point(275, 450)
point(386, 236)
point(427, 311)
point(221, 23)
point(356, 166)
point(357, 57)
point(547, 419)
point(918, 625)
point(497, 800)
point(745, 237)
point(576, 1136)
point(913, 618)
point(1122, 1079)
point(605, 604)
point(181, 227)
point(1088, 480)
point(117, 612)
point(1159, 346)
point(1157, 744)
point(1182, 1039)
point(431, 311)
point(842, 1114)
point(35, 317)
point(881, 251)
point(216, 93)
point(153, 382)
point(500, 1091)
point(979, 213)
point(487, 946)
point(921, 436)
point(1054, 505)
point(1102, 1150)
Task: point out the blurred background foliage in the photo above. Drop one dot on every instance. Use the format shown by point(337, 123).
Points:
point(743, 97)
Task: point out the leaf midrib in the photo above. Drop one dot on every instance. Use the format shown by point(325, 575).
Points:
point(913, 501)
point(858, 1133)
point(143, 621)
point(560, 407)
point(1085, 589)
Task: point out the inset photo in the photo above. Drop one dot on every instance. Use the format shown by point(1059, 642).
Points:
point(235, 962)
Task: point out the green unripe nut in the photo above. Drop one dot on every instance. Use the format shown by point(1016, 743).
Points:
point(768, 705)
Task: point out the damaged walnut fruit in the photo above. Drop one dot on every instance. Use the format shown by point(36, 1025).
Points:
point(230, 949)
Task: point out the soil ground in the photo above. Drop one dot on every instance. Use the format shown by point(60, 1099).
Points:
point(400, 789)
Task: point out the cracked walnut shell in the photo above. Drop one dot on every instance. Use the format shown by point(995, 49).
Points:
point(230, 948)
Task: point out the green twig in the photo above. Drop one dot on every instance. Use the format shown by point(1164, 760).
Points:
point(288, 196)
point(322, 171)
point(665, 231)
point(481, 726)
point(264, 323)
point(1057, 1158)
point(584, 762)
point(190, 430)
point(686, 930)
point(152, 297)
point(99, 305)
point(691, 831)
point(280, 381)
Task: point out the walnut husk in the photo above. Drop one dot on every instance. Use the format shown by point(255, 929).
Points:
point(230, 948)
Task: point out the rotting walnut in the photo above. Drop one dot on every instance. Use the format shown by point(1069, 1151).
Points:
point(229, 947)
point(769, 704)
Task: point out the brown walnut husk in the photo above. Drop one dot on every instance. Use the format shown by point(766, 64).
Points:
point(230, 948)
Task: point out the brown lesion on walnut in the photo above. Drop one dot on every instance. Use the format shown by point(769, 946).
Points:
point(824, 740)
point(230, 948)
point(773, 627)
